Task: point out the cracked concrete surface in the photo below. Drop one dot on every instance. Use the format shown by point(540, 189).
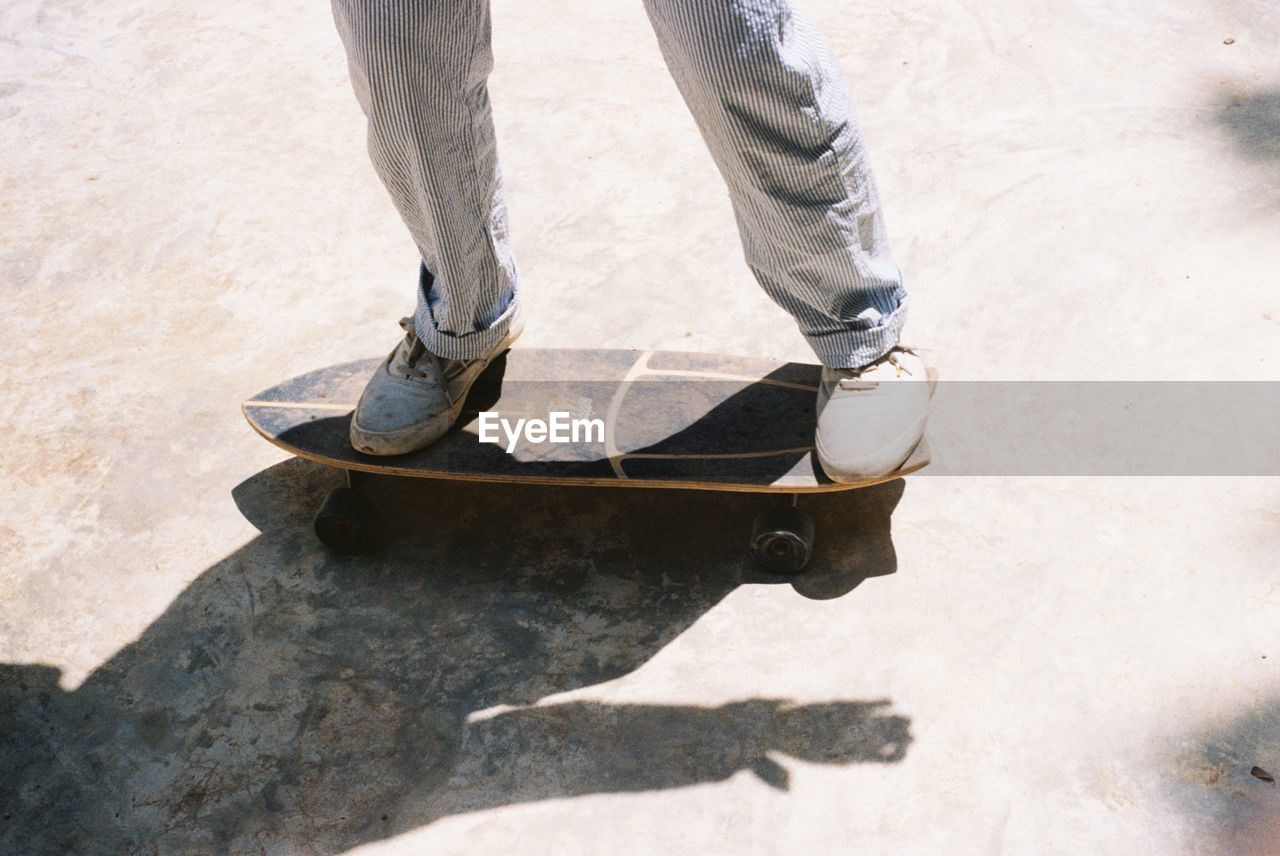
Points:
point(975, 665)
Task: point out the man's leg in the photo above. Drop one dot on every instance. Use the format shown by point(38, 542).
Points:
point(419, 70)
point(772, 104)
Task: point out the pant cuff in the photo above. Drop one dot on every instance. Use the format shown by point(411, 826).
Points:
point(463, 346)
point(853, 349)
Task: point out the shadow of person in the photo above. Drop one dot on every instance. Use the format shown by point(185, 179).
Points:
point(292, 700)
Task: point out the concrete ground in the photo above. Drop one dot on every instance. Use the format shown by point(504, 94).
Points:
point(1016, 665)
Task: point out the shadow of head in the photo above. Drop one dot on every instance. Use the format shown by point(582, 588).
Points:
point(292, 699)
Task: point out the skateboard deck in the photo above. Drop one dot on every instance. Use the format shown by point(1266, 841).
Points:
point(658, 419)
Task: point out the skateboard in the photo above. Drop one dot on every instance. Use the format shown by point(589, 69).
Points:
point(603, 418)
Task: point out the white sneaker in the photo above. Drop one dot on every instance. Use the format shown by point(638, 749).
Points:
point(414, 397)
point(871, 419)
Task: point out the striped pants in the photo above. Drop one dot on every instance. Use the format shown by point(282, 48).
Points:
point(768, 96)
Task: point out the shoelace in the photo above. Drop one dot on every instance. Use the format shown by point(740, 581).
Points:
point(413, 354)
point(851, 379)
point(410, 352)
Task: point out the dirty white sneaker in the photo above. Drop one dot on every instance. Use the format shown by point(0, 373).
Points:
point(871, 419)
point(414, 397)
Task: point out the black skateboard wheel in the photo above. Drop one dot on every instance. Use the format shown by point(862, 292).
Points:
point(347, 522)
point(782, 539)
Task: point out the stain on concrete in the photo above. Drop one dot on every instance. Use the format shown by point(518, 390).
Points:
point(1233, 809)
point(1252, 116)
